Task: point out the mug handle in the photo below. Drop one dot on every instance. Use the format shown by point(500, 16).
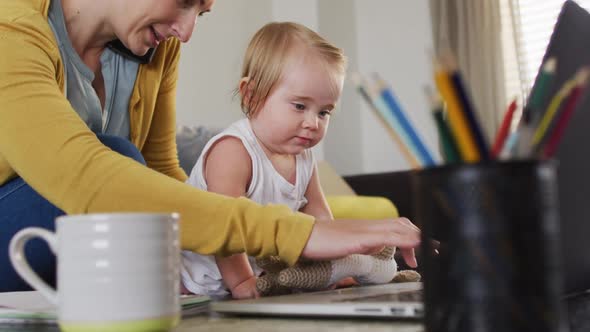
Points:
point(22, 267)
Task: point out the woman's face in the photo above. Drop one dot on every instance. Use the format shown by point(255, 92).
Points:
point(143, 24)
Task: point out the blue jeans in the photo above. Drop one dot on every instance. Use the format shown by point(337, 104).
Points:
point(21, 207)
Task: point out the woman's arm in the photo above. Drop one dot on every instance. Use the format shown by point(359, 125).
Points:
point(317, 206)
point(45, 142)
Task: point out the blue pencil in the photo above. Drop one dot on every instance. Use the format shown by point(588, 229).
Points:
point(398, 114)
point(508, 149)
point(395, 125)
point(376, 104)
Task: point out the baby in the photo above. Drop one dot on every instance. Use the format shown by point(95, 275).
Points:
point(291, 81)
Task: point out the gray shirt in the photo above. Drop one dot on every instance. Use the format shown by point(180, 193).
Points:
point(119, 75)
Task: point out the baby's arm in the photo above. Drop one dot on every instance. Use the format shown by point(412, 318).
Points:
point(237, 275)
point(317, 205)
point(228, 171)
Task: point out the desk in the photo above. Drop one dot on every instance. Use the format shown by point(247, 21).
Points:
point(578, 314)
point(206, 322)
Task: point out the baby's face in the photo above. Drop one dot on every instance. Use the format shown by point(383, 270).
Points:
point(297, 111)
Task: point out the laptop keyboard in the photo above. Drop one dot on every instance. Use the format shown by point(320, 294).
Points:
point(407, 296)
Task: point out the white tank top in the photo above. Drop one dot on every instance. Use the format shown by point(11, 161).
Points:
point(199, 273)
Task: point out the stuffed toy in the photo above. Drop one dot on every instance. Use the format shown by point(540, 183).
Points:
point(317, 275)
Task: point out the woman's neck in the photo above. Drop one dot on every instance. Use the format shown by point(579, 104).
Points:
point(87, 27)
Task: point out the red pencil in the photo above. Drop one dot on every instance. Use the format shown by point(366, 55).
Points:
point(566, 114)
point(504, 130)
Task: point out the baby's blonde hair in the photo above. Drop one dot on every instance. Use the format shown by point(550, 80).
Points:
point(269, 51)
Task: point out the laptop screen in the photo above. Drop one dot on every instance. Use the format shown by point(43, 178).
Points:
point(570, 45)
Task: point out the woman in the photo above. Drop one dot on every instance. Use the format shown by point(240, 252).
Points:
point(87, 101)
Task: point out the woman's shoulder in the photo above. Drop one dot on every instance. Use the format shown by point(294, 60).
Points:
point(15, 10)
point(26, 19)
point(25, 31)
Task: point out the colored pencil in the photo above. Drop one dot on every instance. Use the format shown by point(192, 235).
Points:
point(458, 123)
point(450, 151)
point(396, 126)
point(539, 94)
point(533, 110)
point(387, 95)
point(508, 148)
point(504, 130)
point(553, 108)
point(404, 149)
point(554, 104)
point(568, 111)
point(466, 104)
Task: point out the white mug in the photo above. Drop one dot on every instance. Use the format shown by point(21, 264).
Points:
point(115, 271)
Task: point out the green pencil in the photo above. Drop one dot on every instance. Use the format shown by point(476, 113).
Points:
point(450, 151)
point(539, 94)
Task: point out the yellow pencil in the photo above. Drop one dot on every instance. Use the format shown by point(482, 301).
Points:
point(460, 130)
point(552, 110)
point(554, 104)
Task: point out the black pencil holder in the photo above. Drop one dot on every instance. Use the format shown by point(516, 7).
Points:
point(498, 263)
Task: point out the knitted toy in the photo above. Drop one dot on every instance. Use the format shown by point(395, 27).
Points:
point(316, 275)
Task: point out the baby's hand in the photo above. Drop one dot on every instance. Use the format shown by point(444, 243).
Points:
point(246, 289)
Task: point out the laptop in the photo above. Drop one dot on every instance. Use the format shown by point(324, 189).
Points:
point(398, 300)
point(570, 44)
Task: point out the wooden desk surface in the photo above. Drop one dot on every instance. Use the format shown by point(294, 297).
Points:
point(205, 321)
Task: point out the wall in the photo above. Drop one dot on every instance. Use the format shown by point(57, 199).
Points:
point(394, 39)
point(343, 145)
point(210, 63)
point(390, 37)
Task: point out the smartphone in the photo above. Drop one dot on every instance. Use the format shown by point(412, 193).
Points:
point(117, 46)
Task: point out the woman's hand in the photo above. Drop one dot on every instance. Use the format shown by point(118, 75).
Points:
point(246, 289)
point(339, 238)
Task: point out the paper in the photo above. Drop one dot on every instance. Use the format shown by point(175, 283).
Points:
point(26, 307)
point(194, 304)
point(32, 307)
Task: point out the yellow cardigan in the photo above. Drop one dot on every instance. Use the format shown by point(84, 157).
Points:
point(44, 141)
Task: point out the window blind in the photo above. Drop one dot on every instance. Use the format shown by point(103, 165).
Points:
point(527, 27)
